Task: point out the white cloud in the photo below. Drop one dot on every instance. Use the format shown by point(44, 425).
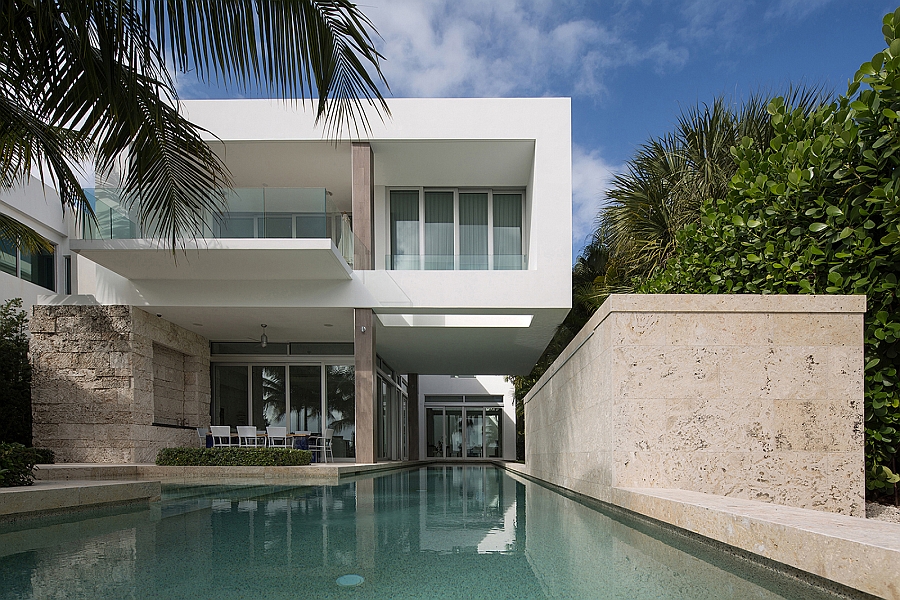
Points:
point(591, 177)
point(504, 48)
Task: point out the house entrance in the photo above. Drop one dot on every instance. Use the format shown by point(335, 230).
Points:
point(466, 431)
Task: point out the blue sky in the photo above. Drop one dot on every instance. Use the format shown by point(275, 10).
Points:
point(630, 66)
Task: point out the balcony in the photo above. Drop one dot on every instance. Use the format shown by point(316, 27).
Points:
point(294, 233)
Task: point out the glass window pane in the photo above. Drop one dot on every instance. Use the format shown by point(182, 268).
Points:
point(39, 268)
point(473, 231)
point(454, 432)
point(340, 399)
point(278, 226)
point(311, 225)
point(439, 230)
point(237, 227)
point(404, 229)
point(434, 432)
point(306, 398)
point(474, 433)
point(493, 432)
point(507, 231)
point(230, 391)
point(7, 257)
point(268, 397)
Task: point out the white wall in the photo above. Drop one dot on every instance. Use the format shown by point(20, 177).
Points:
point(37, 206)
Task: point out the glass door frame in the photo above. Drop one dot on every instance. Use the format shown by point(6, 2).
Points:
point(274, 360)
point(477, 408)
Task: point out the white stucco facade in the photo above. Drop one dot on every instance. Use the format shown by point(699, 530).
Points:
point(488, 315)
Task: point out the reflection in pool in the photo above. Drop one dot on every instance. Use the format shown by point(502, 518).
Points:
point(437, 532)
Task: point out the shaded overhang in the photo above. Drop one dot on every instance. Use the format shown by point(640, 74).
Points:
point(218, 259)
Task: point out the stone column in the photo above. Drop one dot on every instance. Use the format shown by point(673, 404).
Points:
point(412, 415)
point(364, 354)
point(362, 199)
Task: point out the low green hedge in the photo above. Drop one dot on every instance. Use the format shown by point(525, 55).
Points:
point(232, 457)
point(17, 464)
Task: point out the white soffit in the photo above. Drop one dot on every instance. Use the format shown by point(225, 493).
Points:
point(432, 320)
point(454, 163)
point(219, 259)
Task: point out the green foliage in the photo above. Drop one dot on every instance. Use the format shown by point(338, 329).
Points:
point(15, 375)
point(817, 212)
point(17, 464)
point(233, 457)
point(44, 456)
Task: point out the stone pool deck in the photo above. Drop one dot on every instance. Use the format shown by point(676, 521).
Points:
point(854, 552)
point(53, 496)
point(75, 486)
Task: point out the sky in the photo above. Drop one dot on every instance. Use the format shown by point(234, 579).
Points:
point(629, 66)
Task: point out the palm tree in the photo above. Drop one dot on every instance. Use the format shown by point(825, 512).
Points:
point(668, 180)
point(90, 80)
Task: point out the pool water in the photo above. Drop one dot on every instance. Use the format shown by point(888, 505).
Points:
point(437, 532)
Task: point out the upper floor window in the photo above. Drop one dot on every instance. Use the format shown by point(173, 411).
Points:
point(453, 229)
point(37, 267)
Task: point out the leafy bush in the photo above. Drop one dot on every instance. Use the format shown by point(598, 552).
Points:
point(15, 375)
point(233, 457)
point(16, 464)
point(818, 212)
point(44, 456)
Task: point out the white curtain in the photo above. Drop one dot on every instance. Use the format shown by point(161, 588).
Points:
point(405, 229)
point(508, 231)
point(439, 230)
point(473, 231)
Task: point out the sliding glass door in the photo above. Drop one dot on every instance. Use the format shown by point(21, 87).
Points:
point(292, 396)
point(463, 432)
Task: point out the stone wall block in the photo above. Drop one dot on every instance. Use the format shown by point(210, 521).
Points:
point(666, 372)
point(812, 329)
point(754, 397)
point(643, 329)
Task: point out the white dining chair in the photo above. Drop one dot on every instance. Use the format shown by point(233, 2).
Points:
point(247, 437)
point(322, 444)
point(277, 437)
point(221, 435)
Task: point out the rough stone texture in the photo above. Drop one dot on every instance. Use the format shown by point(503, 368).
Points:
point(97, 370)
point(754, 397)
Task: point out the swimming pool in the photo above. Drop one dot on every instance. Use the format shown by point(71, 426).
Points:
point(437, 532)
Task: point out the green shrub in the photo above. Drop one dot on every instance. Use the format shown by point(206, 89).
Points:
point(44, 456)
point(16, 464)
point(15, 375)
point(818, 212)
point(232, 457)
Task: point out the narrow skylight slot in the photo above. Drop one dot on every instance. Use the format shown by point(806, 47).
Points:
point(431, 320)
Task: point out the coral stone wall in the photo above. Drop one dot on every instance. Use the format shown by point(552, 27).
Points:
point(97, 370)
point(756, 397)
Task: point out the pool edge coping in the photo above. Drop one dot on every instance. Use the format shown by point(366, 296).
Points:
point(659, 511)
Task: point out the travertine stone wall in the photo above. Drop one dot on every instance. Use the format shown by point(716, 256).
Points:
point(93, 383)
point(756, 397)
point(168, 386)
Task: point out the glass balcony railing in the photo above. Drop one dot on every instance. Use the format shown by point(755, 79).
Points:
point(458, 262)
point(270, 213)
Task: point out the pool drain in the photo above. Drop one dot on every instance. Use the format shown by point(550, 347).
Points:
point(349, 580)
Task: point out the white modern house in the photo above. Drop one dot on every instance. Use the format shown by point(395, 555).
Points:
point(369, 286)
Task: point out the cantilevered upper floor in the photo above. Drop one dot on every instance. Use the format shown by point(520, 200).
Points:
point(450, 217)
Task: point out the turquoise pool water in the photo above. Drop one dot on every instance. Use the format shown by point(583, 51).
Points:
point(439, 532)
